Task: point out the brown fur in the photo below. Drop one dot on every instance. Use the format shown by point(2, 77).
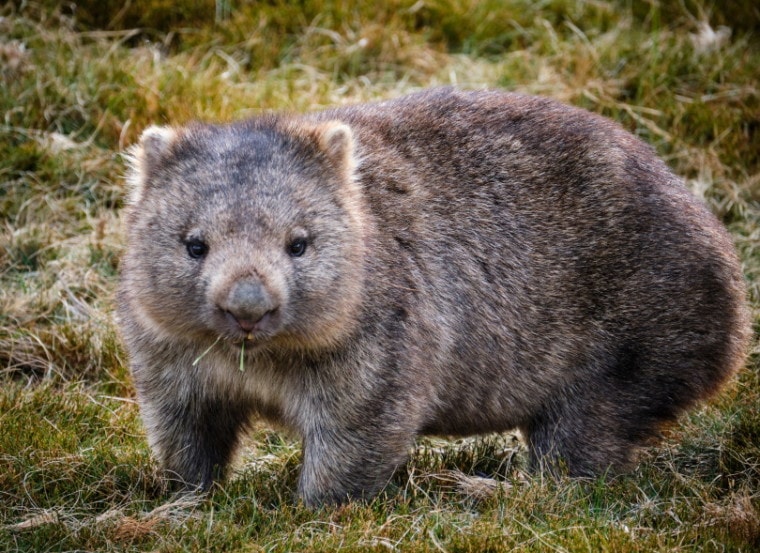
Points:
point(474, 262)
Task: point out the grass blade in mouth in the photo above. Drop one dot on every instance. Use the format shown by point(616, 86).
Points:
point(242, 353)
point(208, 349)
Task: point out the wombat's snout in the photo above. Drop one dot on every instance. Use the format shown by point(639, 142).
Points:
point(250, 306)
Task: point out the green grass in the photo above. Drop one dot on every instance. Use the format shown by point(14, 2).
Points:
point(78, 86)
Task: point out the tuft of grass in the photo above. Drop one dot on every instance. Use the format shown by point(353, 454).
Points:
point(78, 83)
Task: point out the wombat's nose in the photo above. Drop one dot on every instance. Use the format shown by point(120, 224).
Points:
point(249, 304)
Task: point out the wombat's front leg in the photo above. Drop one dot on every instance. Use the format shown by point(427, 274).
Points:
point(191, 430)
point(341, 463)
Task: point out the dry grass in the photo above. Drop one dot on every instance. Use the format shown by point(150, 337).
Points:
point(77, 86)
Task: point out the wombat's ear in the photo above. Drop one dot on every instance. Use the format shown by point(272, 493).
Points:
point(144, 157)
point(336, 139)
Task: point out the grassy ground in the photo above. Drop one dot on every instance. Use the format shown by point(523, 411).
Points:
point(77, 85)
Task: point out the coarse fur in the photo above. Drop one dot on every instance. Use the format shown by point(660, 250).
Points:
point(449, 262)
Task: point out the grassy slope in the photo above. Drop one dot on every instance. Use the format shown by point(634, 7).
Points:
point(75, 89)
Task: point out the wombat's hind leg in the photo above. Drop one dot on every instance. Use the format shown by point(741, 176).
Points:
point(586, 436)
point(598, 424)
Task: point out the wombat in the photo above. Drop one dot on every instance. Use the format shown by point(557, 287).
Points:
point(448, 263)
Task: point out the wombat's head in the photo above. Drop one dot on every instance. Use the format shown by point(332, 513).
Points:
point(252, 231)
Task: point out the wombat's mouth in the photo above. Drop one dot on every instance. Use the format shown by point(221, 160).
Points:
point(250, 339)
point(238, 345)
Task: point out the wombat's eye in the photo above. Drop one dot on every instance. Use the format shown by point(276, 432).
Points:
point(297, 247)
point(196, 248)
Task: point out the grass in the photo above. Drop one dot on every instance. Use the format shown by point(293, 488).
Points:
point(78, 85)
